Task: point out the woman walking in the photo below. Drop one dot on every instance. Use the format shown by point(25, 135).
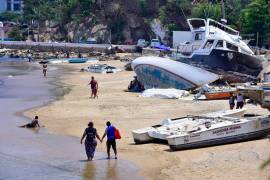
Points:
point(90, 143)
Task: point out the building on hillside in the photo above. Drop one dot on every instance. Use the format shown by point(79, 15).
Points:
point(11, 5)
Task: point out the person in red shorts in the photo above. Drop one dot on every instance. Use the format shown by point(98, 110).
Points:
point(94, 87)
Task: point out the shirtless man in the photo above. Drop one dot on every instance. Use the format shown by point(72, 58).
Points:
point(94, 87)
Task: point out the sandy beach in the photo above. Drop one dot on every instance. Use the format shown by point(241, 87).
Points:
point(70, 114)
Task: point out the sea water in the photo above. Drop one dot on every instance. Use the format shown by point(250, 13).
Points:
point(36, 154)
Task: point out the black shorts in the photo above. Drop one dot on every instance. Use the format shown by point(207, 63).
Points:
point(239, 105)
point(111, 143)
point(30, 125)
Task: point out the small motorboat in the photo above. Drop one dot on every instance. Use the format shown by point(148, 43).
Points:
point(216, 95)
point(200, 131)
point(77, 60)
point(168, 127)
point(101, 68)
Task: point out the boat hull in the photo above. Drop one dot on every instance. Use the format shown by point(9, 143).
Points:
point(244, 130)
point(217, 95)
point(232, 66)
point(224, 140)
point(156, 72)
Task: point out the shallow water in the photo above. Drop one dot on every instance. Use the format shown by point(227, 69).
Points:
point(36, 154)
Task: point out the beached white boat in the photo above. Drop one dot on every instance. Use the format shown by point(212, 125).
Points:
point(203, 131)
point(200, 131)
point(168, 127)
point(157, 72)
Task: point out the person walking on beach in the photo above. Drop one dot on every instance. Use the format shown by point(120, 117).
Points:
point(44, 67)
point(33, 124)
point(90, 143)
point(239, 101)
point(110, 132)
point(231, 101)
point(94, 87)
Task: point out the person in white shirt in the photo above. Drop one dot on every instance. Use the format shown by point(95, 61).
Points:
point(240, 101)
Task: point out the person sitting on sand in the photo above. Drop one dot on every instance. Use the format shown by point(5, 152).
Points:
point(90, 143)
point(33, 124)
point(135, 85)
point(94, 87)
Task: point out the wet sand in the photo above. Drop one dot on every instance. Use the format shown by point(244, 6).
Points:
point(37, 154)
point(127, 111)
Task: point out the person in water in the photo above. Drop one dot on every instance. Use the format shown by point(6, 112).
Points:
point(33, 124)
point(110, 132)
point(90, 143)
point(44, 67)
point(94, 87)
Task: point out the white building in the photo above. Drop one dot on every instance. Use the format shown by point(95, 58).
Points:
point(11, 5)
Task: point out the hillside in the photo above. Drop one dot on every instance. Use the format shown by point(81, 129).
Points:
point(125, 21)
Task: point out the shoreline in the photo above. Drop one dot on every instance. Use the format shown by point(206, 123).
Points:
point(38, 153)
point(154, 160)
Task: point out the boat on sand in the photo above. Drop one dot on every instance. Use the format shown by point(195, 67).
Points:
point(149, 133)
point(200, 131)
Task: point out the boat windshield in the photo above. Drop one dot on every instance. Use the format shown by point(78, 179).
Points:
point(232, 47)
point(208, 44)
point(219, 44)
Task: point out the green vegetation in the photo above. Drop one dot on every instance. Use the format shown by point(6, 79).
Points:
point(248, 16)
point(256, 18)
point(10, 16)
point(16, 34)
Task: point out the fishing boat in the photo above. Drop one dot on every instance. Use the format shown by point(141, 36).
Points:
point(200, 131)
point(169, 127)
point(204, 131)
point(157, 72)
point(218, 48)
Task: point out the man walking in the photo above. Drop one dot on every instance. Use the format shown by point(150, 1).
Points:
point(110, 132)
point(94, 87)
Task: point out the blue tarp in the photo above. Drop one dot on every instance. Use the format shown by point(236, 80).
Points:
point(163, 47)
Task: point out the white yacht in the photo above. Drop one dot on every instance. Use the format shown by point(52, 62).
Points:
point(217, 48)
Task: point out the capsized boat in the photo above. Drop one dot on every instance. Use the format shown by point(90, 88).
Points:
point(220, 49)
point(169, 127)
point(157, 72)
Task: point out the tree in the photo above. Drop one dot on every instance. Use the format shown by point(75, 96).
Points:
point(256, 18)
point(207, 10)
